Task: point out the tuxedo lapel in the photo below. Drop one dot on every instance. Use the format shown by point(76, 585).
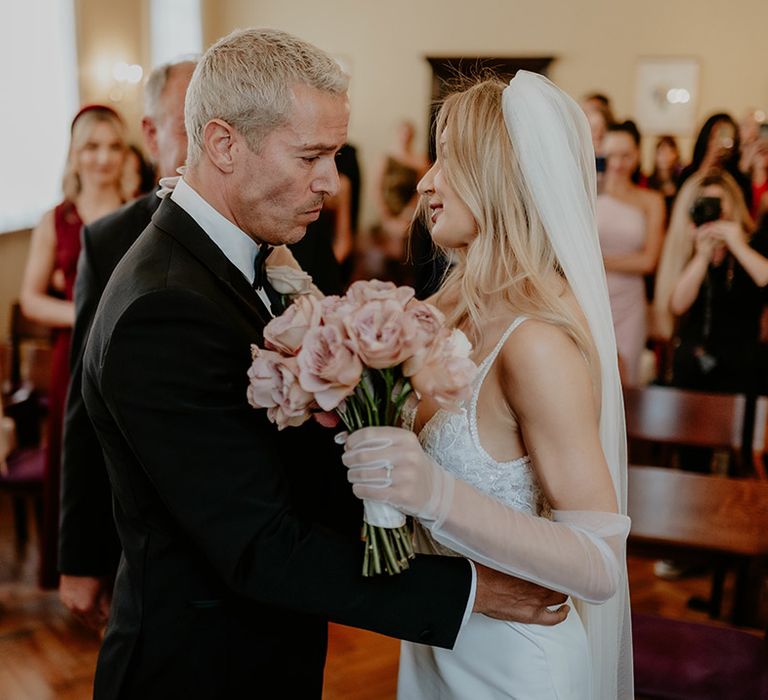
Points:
point(173, 220)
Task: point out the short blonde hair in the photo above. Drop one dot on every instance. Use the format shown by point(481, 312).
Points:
point(511, 261)
point(245, 79)
point(82, 127)
point(678, 244)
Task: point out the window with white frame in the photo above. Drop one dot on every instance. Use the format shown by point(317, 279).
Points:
point(175, 29)
point(38, 84)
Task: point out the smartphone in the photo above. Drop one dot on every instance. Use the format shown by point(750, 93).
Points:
point(705, 209)
point(764, 131)
point(600, 164)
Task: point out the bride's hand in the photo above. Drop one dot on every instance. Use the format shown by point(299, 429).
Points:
point(388, 465)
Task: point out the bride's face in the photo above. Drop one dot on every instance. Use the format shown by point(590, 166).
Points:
point(452, 223)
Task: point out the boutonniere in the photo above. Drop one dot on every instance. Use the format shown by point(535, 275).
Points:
point(290, 283)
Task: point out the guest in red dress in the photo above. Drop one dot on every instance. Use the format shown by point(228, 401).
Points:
point(92, 188)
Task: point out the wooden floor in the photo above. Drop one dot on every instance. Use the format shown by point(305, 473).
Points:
point(44, 654)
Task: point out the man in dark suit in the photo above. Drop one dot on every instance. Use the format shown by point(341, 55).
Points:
point(89, 548)
point(234, 544)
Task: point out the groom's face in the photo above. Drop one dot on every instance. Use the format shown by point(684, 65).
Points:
point(279, 190)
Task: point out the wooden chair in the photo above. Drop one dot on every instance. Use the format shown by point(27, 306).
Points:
point(694, 661)
point(26, 369)
point(25, 376)
point(5, 368)
point(24, 332)
point(667, 418)
point(21, 475)
point(760, 438)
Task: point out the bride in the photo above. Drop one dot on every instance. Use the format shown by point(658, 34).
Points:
point(530, 476)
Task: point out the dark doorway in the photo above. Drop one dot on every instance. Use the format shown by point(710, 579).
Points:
point(449, 73)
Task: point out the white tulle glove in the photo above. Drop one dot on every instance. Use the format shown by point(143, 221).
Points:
point(388, 465)
point(578, 552)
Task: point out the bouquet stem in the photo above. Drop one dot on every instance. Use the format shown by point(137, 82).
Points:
point(378, 400)
point(387, 550)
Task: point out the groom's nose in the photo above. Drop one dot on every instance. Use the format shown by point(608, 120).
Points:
point(326, 180)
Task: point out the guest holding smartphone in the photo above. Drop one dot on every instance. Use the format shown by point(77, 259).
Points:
point(711, 281)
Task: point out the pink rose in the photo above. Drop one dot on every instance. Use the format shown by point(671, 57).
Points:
point(374, 290)
point(381, 333)
point(334, 309)
point(274, 385)
point(289, 280)
point(447, 372)
point(286, 332)
point(328, 368)
point(428, 322)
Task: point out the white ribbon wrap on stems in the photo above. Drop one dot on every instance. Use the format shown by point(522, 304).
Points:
point(382, 515)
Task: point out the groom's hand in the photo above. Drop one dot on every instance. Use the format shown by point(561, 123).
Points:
point(509, 598)
point(87, 598)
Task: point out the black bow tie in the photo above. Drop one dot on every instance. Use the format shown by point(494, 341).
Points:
point(259, 267)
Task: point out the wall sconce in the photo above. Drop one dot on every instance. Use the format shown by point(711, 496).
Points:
point(124, 74)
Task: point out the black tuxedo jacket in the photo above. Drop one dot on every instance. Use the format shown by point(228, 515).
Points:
point(88, 542)
point(234, 551)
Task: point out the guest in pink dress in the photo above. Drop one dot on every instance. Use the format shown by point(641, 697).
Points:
point(630, 222)
point(92, 188)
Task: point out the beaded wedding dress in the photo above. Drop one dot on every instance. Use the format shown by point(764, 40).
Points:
point(492, 659)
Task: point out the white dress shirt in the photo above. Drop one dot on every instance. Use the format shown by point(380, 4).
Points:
point(236, 244)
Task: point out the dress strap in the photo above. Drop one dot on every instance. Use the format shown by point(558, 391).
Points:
point(484, 368)
point(485, 365)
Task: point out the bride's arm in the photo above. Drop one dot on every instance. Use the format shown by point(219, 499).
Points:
point(581, 552)
point(546, 383)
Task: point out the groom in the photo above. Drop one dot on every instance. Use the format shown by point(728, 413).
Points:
point(238, 541)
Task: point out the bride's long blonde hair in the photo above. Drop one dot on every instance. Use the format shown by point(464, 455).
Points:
point(510, 262)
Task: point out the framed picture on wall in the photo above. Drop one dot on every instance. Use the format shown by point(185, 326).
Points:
point(666, 94)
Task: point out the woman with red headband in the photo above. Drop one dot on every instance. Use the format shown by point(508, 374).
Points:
point(92, 189)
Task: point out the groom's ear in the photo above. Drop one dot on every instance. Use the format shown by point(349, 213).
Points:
point(218, 141)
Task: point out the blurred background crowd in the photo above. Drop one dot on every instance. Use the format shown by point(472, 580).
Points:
point(682, 213)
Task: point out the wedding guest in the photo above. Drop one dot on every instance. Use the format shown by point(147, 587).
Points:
point(88, 546)
point(239, 542)
point(718, 146)
point(336, 218)
point(599, 111)
point(348, 166)
point(666, 171)
point(396, 178)
point(92, 188)
point(138, 174)
point(710, 288)
point(756, 158)
point(630, 222)
point(749, 133)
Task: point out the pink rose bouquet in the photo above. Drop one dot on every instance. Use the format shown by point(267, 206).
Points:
point(356, 359)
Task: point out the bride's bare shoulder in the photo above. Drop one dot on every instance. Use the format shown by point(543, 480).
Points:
point(539, 351)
